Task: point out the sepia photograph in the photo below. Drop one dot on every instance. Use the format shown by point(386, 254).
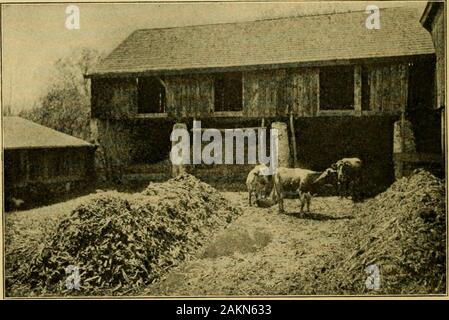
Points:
point(224, 150)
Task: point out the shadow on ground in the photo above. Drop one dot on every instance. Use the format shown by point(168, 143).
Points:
point(318, 216)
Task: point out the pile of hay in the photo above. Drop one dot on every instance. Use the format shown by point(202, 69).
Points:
point(401, 231)
point(122, 242)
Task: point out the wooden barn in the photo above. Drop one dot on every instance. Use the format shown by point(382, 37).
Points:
point(339, 85)
point(39, 159)
point(433, 19)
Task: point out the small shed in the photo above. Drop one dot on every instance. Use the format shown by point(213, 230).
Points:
point(35, 155)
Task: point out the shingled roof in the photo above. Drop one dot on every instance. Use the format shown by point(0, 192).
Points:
point(305, 39)
point(19, 133)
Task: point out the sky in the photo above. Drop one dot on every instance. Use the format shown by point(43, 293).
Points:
point(35, 36)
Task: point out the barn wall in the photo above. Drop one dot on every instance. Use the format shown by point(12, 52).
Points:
point(388, 87)
point(114, 141)
point(277, 92)
point(266, 93)
point(47, 166)
point(262, 92)
point(303, 91)
point(113, 97)
point(438, 36)
point(189, 96)
point(123, 143)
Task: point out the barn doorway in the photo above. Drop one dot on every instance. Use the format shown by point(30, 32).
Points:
point(151, 95)
point(426, 120)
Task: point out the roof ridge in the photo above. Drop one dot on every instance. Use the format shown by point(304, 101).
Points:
point(266, 19)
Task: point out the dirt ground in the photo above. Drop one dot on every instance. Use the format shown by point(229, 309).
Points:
point(262, 252)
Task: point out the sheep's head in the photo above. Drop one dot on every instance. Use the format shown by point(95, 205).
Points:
point(262, 177)
point(328, 176)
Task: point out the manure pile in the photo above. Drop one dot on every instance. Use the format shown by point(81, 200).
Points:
point(402, 232)
point(121, 242)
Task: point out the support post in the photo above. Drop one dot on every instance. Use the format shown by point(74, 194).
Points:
point(403, 142)
point(283, 145)
point(358, 90)
point(292, 129)
point(178, 169)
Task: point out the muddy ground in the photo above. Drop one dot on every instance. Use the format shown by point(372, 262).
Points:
point(262, 252)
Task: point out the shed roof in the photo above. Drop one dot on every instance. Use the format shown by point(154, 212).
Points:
point(304, 39)
point(20, 133)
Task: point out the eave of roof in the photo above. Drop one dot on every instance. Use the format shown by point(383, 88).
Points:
point(269, 66)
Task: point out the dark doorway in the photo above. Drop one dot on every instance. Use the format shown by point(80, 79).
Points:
point(228, 91)
point(151, 95)
point(425, 119)
point(337, 88)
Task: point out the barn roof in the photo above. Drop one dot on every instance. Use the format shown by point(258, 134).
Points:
point(19, 133)
point(304, 39)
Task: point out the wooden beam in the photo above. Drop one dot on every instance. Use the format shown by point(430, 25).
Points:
point(224, 129)
point(292, 129)
point(358, 89)
point(418, 157)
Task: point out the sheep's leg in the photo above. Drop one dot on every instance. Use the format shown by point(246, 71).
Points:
point(351, 190)
point(309, 200)
point(301, 202)
point(340, 189)
point(249, 198)
point(280, 195)
point(348, 189)
point(281, 202)
point(357, 187)
point(343, 190)
point(301, 209)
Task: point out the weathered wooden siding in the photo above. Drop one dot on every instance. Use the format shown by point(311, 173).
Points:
point(48, 165)
point(302, 91)
point(263, 92)
point(113, 96)
point(388, 87)
point(438, 36)
point(277, 92)
point(266, 93)
point(189, 96)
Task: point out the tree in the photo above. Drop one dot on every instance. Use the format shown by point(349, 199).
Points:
point(65, 105)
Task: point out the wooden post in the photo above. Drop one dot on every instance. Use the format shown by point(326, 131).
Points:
point(403, 143)
point(443, 129)
point(358, 90)
point(283, 145)
point(178, 169)
point(292, 129)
